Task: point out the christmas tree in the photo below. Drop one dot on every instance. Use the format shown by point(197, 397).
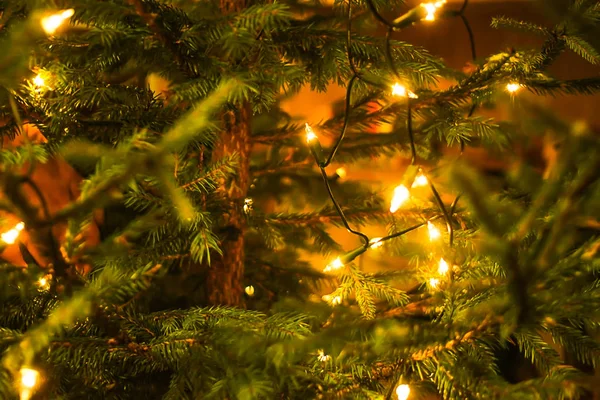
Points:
point(161, 212)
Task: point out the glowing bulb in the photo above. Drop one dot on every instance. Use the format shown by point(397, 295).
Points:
point(310, 134)
point(334, 265)
point(443, 267)
point(248, 205)
point(513, 87)
point(43, 283)
point(402, 391)
point(341, 172)
point(420, 180)
point(333, 300)
point(433, 282)
point(434, 233)
point(431, 8)
point(38, 81)
point(401, 195)
point(376, 242)
point(51, 23)
point(28, 381)
point(400, 90)
point(249, 290)
point(11, 236)
point(323, 357)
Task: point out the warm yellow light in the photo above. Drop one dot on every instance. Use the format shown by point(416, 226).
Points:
point(51, 23)
point(43, 283)
point(38, 81)
point(434, 232)
point(433, 282)
point(431, 9)
point(341, 172)
point(376, 242)
point(248, 205)
point(402, 391)
point(401, 195)
point(28, 381)
point(249, 290)
point(443, 267)
point(11, 236)
point(420, 180)
point(400, 90)
point(333, 300)
point(323, 357)
point(513, 87)
point(310, 134)
point(334, 265)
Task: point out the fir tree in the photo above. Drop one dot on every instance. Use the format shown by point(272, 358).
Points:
point(168, 273)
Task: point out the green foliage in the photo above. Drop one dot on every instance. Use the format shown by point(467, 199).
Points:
point(522, 264)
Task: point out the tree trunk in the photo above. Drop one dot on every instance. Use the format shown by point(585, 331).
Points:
point(225, 274)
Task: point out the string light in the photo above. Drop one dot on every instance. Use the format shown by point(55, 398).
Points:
point(434, 232)
point(434, 282)
point(44, 282)
point(513, 87)
point(322, 356)
point(11, 236)
point(420, 180)
point(314, 144)
point(248, 203)
point(27, 382)
point(249, 290)
point(401, 195)
point(443, 267)
point(334, 265)
point(431, 9)
point(341, 172)
point(403, 391)
point(51, 23)
point(400, 90)
point(333, 300)
point(39, 81)
point(376, 242)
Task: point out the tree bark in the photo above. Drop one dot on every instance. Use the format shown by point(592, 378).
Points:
point(226, 273)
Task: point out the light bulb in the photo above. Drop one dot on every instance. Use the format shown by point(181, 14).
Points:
point(11, 236)
point(420, 180)
point(341, 172)
point(51, 23)
point(248, 205)
point(443, 267)
point(38, 81)
point(402, 391)
point(44, 282)
point(431, 9)
point(249, 290)
point(513, 87)
point(401, 195)
point(334, 265)
point(323, 357)
point(27, 382)
point(310, 134)
point(376, 242)
point(400, 90)
point(434, 282)
point(434, 232)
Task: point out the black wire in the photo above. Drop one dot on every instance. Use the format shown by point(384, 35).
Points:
point(378, 16)
point(388, 53)
point(364, 237)
point(440, 203)
point(405, 231)
point(346, 119)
